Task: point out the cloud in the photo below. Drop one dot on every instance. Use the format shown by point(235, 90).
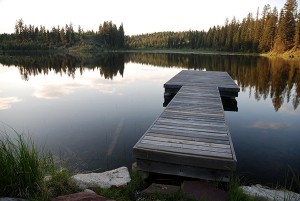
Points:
point(270, 125)
point(6, 103)
point(52, 90)
point(55, 87)
point(55, 91)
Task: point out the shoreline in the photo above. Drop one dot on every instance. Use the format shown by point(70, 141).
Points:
point(88, 51)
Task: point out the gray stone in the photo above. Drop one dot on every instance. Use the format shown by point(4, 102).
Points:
point(270, 194)
point(12, 199)
point(117, 177)
point(89, 191)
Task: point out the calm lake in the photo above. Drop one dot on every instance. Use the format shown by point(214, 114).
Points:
point(91, 112)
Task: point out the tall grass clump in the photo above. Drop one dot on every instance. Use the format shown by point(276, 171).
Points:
point(292, 182)
point(237, 194)
point(22, 166)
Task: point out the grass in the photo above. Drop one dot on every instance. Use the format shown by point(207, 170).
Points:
point(132, 192)
point(125, 193)
point(60, 183)
point(292, 180)
point(22, 167)
point(237, 194)
point(293, 54)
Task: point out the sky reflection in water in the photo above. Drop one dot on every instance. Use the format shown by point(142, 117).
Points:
point(91, 122)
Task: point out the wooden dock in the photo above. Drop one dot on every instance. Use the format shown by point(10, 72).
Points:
point(190, 138)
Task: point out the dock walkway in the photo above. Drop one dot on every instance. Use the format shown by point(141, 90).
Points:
point(190, 137)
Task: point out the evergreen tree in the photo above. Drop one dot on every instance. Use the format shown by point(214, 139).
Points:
point(121, 36)
point(286, 27)
point(297, 33)
point(258, 25)
point(269, 30)
point(290, 9)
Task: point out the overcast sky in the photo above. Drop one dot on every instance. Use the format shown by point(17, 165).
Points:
point(138, 16)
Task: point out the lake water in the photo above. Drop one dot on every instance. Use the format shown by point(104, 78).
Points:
point(91, 112)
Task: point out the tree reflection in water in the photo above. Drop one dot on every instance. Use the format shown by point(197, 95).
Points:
point(276, 78)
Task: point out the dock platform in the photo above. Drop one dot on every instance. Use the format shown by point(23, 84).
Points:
point(190, 138)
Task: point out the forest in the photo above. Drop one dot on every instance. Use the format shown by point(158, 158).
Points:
point(29, 37)
point(268, 31)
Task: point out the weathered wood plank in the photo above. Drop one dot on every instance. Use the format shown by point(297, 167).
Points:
point(186, 141)
point(197, 139)
point(183, 170)
point(191, 133)
point(184, 149)
point(185, 145)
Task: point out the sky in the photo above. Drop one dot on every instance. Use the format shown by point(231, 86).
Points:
point(137, 16)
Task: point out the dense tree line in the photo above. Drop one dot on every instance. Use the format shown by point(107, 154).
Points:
point(29, 37)
point(267, 31)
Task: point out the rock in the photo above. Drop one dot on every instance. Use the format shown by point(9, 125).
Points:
point(81, 196)
point(89, 191)
point(12, 199)
point(161, 188)
point(203, 191)
point(117, 177)
point(47, 178)
point(270, 194)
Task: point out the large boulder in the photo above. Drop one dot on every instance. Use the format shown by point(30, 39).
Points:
point(270, 194)
point(117, 177)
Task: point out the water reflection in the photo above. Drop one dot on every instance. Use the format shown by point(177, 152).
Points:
point(276, 78)
point(108, 65)
point(90, 112)
point(6, 102)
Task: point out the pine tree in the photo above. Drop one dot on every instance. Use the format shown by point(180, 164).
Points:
point(280, 45)
point(121, 36)
point(257, 32)
point(286, 27)
point(269, 30)
point(290, 9)
point(297, 33)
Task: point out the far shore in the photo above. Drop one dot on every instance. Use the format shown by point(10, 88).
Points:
point(90, 51)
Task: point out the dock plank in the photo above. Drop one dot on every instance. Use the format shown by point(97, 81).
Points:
point(191, 132)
